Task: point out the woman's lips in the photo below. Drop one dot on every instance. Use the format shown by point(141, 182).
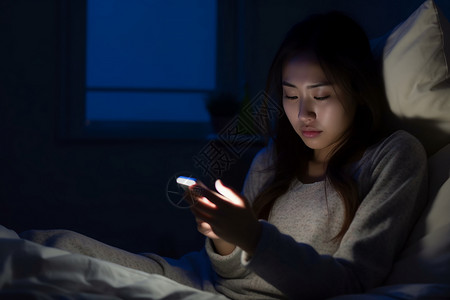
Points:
point(311, 133)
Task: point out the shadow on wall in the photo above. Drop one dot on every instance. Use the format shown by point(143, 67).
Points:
point(429, 132)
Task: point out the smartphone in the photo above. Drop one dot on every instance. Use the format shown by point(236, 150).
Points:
point(185, 182)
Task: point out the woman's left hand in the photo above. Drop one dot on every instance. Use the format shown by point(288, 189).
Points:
point(229, 215)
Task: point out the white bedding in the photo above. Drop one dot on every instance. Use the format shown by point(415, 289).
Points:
point(32, 271)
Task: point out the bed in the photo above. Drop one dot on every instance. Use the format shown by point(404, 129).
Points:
point(416, 65)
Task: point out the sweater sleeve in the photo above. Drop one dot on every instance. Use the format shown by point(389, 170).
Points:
point(259, 174)
point(392, 185)
point(226, 266)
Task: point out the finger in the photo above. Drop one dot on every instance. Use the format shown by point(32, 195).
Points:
point(200, 216)
point(206, 229)
point(229, 194)
point(200, 190)
point(205, 202)
point(204, 212)
point(204, 226)
point(209, 195)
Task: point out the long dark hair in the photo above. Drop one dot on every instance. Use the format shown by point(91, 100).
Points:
point(343, 52)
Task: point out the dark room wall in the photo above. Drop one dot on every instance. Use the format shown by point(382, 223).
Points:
point(111, 190)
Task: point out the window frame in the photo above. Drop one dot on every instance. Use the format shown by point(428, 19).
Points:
point(72, 49)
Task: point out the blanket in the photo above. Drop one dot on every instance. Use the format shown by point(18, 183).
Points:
point(31, 271)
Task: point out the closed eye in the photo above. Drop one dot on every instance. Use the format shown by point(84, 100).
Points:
point(290, 97)
point(322, 98)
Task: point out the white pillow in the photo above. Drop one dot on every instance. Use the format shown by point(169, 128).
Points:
point(416, 60)
point(426, 259)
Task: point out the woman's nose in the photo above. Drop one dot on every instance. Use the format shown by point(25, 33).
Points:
point(306, 110)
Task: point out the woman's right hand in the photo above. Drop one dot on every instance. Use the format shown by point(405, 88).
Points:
point(205, 229)
point(222, 247)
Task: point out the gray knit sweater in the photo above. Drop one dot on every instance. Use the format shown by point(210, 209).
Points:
point(296, 258)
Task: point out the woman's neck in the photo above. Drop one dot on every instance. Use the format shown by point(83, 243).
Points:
point(313, 172)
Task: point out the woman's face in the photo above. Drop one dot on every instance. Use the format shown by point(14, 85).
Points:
point(315, 107)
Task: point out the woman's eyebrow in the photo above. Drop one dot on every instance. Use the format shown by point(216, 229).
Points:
point(316, 85)
point(288, 84)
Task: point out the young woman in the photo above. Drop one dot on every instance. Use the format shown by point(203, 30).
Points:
point(327, 205)
point(339, 196)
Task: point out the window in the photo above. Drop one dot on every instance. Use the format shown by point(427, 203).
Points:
point(143, 68)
